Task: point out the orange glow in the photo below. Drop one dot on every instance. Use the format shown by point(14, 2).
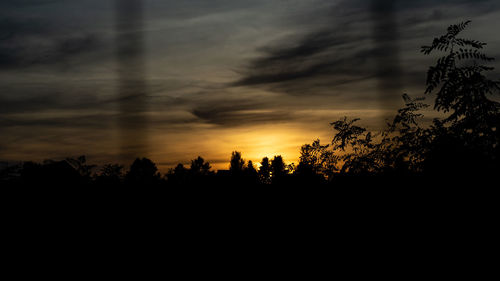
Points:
point(216, 144)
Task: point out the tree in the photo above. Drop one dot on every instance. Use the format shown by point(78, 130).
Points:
point(198, 174)
point(405, 143)
point(278, 168)
point(469, 133)
point(265, 171)
point(81, 166)
point(142, 172)
point(111, 171)
point(354, 147)
point(464, 88)
point(237, 163)
point(199, 167)
point(110, 175)
point(178, 175)
point(251, 174)
point(316, 159)
point(250, 169)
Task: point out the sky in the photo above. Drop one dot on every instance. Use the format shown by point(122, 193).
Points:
point(172, 80)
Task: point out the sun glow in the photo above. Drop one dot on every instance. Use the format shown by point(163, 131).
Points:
point(254, 143)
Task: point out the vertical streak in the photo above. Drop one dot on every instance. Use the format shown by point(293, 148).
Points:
point(132, 88)
point(387, 53)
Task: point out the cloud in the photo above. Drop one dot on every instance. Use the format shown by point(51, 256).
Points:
point(21, 3)
point(32, 97)
point(241, 113)
point(331, 52)
point(34, 42)
point(353, 42)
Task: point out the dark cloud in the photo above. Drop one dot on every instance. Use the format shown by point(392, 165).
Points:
point(239, 113)
point(32, 42)
point(18, 98)
point(30, 104)
point(94, 121)
point(21, 3)
point(351, 42)
point(328, 54)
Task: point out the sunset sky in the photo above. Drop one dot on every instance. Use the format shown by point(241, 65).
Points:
point(259, 76)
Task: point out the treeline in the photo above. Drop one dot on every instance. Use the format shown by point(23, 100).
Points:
point(463, 145)
point(144, 172)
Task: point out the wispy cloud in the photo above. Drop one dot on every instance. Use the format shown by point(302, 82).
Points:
point(34, 42)
point(352, 42)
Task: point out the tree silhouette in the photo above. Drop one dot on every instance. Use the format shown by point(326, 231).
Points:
point(178, 176)
point(198, 172)
point(278, 169)
point(464, 87)
point(236, 163)
point(199, 167)
point(250, 167)
point(354, 147)
point(405, 143)
point(251, 174)
point(81, 166)
point(110, 175)
point(469, 133)
point(316, 159)
point(265, 171)
point(142, 172)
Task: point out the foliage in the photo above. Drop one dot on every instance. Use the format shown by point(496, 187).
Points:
point(199, 167)
point(250, 171)
point(317, 159)
point(471, 128)
point(110, 174)
point(265, 171)
point(80, 165)
point(236, 163)
point(468, 136)
point(142, 171)
point(464, 88)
